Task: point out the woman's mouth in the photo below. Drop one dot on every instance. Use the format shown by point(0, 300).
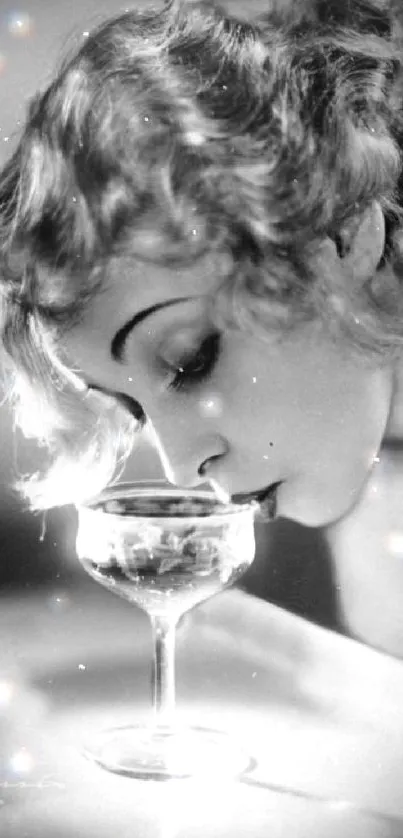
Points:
point(266, 499)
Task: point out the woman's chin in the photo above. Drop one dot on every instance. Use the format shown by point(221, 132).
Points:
point(314, 509)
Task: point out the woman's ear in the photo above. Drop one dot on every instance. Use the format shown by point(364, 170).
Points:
point(361, 243)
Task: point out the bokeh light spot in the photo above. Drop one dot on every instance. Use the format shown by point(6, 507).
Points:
point(20, 25)
point(212, 406)
point(22, 762)
point(58, 603)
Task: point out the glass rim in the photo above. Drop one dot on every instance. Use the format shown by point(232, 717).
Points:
point(145, 487)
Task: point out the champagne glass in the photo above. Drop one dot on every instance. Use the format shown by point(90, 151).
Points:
point(165, 550)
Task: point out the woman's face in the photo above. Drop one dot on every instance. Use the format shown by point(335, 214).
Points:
point(299, 410)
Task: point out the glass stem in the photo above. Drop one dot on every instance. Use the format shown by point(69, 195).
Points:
point(164, 632)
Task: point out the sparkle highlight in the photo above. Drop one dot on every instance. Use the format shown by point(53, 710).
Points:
point(20, 25)
point(211, 407)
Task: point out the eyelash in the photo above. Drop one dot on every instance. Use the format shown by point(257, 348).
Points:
point(198, 367)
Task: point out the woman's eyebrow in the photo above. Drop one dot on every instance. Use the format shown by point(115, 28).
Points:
point(118, 342)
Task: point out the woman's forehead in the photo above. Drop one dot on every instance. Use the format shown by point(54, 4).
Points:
point(146, 281)
point(130, 286)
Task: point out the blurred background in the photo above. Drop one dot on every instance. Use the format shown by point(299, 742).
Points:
point(292, 567)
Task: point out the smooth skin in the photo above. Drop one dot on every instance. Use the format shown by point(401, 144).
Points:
point(302, 409)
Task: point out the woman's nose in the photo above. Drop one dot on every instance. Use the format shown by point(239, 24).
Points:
point(186, 459)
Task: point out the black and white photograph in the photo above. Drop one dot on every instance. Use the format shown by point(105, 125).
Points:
point(201, 419)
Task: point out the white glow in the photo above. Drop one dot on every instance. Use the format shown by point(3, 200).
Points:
point(177, 809)
point(20, 25)
point(211, 407)
point(7, 690)
point(395, 543)
point(194, 138)
point(22, 762)
point(58, 603)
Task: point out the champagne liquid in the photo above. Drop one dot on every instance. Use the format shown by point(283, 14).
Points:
point(159, 591)
point(170, 560)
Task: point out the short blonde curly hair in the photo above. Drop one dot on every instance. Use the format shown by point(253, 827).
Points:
point(264, 136)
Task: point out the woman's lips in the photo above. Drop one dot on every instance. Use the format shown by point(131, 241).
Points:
point(265, 498)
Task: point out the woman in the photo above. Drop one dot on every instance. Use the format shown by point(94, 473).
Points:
point(201, 231)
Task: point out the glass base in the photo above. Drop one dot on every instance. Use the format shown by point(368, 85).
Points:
point(158, 753)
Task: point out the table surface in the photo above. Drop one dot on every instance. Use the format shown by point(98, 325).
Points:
point(320, 713)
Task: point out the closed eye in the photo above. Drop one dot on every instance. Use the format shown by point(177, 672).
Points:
point(196, 367)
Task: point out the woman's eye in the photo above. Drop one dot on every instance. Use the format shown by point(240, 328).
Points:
point(194, 368)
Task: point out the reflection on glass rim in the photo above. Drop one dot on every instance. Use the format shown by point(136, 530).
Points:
point(158, 498)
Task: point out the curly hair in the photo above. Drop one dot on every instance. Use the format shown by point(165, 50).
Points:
point(255, 138)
